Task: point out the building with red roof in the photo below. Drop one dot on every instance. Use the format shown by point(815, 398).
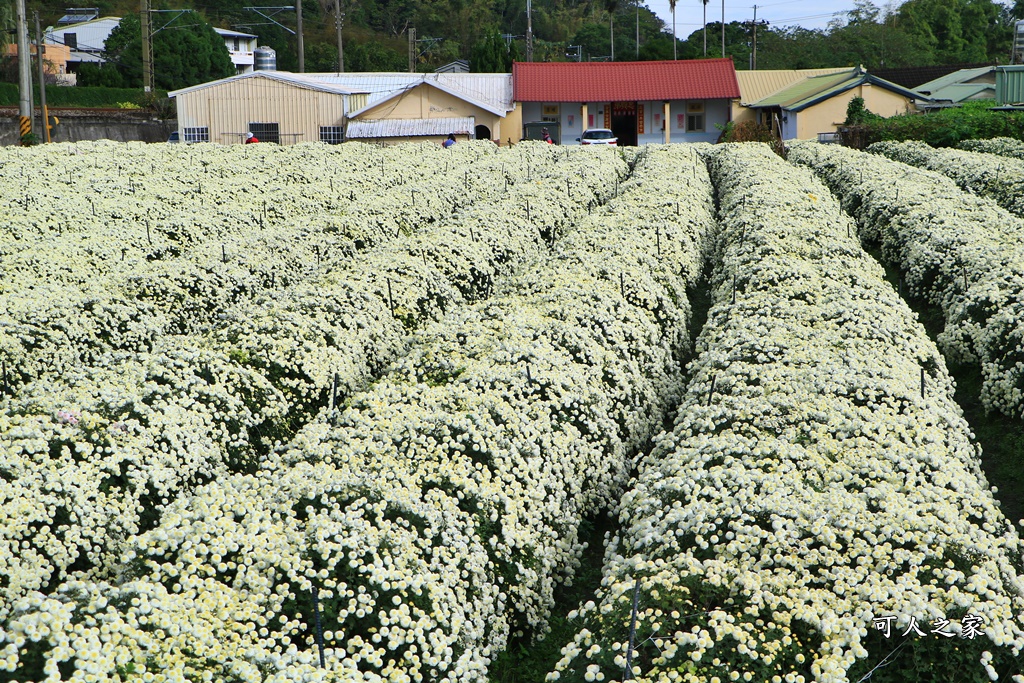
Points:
point(641, 102)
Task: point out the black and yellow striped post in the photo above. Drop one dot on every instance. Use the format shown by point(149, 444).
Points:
point(26, 125)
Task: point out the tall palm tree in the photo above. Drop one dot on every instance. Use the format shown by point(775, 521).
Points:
point(611, 6)
point(672, 5)
point(706, 27)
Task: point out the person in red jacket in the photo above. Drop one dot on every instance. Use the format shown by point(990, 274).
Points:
point(250, 138)
point(547, 136)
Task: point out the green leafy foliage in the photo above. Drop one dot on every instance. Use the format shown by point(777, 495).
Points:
point(186, 51)
point(947, 127)
point(75, 97)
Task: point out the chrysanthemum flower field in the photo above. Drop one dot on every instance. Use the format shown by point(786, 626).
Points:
point(347, 413)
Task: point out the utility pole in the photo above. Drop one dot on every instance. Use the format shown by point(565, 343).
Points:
point(529, 31)
point(638, 30)
point(339, 19)
point(753, 54)
point(42, 80)
point(147, 47)
point(298, 27)
point(24, 71)
point(412, 50)
point(723, 28)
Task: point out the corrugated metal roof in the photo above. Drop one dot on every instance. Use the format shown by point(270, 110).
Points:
point(962, 92)
point(1010, 84)
point(812, 90)
point(757, 85)
point(282, 76)
point(913, 76)
point(694, 79)
point(492, 92)
point(228, 33)
point(807, 87)
point(961, 77)
point(408, 128)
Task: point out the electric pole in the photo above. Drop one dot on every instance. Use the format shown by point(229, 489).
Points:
point(298, 27)
point(753, 54)
point(147, 47)
point(24, 71)
point(339, 19)
point(412, 50)
point(529, 31)
point(42, 80)
point(723, 28)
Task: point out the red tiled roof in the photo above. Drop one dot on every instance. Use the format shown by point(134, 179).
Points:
point(694, 79)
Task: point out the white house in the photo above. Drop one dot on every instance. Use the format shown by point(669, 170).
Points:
point(241, 47)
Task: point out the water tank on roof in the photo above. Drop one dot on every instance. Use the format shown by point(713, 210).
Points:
point(1018, 43)
point(265, 59)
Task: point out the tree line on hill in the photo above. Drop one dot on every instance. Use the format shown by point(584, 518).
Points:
point(491, 34)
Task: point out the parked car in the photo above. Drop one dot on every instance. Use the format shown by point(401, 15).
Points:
point(598, 136)
point(173, 137)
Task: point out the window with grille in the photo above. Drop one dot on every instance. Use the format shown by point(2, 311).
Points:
point(695, 117)
point(332, 135)
point(266, 132)
point(197, 134)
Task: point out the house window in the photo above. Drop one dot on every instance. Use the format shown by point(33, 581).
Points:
point(694, 117)
point(332, 135)
point(266, 132)
point(71, 40)
point(235, 42)
point(197, 134)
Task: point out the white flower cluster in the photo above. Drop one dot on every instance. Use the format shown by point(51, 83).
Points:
point(812, 482)
point(117, 245)
point(1006, 147)
point(437, 510)
point(986, 175)
point(91, 458)
point(956, 251)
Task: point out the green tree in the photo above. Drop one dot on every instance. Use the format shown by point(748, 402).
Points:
point(957, 31)
point(490, 54)
point(186, 51)
point(373, 56)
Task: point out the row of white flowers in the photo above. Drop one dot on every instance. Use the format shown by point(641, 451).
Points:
point(115, 283)
point(437, 510)
point(811, 484)
point(957, 251)
point(129, 433)
point(1006, 147)
point(986, 175)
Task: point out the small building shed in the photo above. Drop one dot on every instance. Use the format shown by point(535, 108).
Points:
point(417, 104)
point(757, 85)
point(641, 102)
point(818, 104)
point(962, 86)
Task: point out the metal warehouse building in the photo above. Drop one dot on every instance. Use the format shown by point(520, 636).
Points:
point(287, 108)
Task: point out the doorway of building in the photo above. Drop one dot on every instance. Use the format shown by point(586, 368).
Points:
point(624, 122)
point(483, 133)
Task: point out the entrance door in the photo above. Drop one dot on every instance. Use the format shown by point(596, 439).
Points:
point(624, 122)
point(483, 133)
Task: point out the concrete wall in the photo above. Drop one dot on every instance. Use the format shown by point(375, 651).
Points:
point(75, 128)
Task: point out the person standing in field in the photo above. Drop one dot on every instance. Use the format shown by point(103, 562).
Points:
point(449, 142)
point(547, 136)
point(250, 138)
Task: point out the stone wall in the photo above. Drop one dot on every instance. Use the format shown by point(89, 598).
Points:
point(122, 125)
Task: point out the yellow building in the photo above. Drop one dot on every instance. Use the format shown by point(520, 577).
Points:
point(757, 85)
point(817, 104)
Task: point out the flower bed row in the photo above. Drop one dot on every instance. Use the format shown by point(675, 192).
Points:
point(986, 175)
point(132, 432)
point(69, 298)
point(956, 251)
point(437, 510)
point(1006, 147)
point(812, 486)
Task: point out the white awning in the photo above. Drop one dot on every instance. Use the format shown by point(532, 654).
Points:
point(410, 128)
